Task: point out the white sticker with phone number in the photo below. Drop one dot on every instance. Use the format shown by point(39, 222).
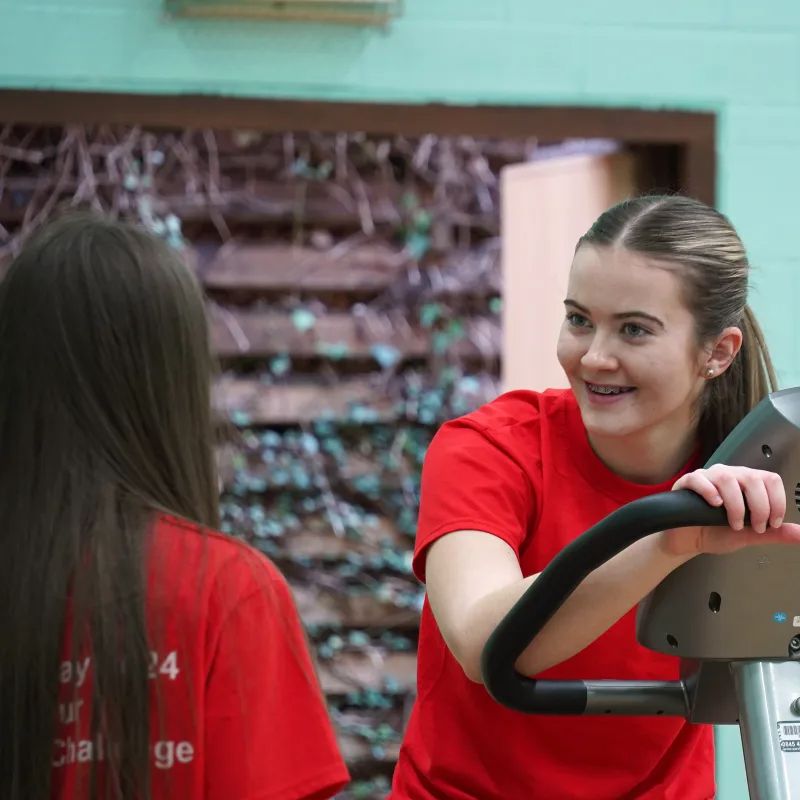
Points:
point(789, 736)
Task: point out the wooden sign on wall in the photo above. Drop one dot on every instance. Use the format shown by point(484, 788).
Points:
point(358, 12)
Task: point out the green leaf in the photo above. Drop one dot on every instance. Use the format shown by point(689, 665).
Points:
point(409, 201)
point(240, 418)
point(429, 314)
point(280, 365)
point(303, 319)
point(386, 355)
point(336, 351)
point(362, 414)
point(469, 384)
point(358, 639)
point(422, 220)
point(300, 168)
point(456, 329)
point(418, 243)
point(440, 343)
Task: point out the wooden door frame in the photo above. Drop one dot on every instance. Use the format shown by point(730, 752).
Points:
point(689, 138)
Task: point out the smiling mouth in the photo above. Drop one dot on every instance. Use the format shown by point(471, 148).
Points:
point(605, 389)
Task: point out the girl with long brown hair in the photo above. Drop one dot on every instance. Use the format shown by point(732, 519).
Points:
point(142, 654)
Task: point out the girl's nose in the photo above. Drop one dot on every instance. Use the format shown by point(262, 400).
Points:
point(599, 356)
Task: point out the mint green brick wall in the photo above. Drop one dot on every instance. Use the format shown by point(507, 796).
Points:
point(740, 59)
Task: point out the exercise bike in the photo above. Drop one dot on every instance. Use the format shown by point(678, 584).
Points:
point(734, 620)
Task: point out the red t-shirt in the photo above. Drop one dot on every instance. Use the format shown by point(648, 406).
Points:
point(242, 715)
point(522, 469)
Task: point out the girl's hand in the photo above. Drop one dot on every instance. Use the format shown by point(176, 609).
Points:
point(733, 487)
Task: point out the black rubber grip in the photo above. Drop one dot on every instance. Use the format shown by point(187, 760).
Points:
point(559, 580)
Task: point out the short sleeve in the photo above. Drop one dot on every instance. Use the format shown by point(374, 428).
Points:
point(471, 482)
point(268, 735)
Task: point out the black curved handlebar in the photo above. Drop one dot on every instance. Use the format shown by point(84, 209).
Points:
point(559, 580)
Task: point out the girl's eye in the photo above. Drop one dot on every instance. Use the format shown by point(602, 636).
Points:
point(577, 320)
point(634, 331)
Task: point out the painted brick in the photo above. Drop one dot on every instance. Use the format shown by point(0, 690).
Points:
point(298, 55)
point(76, 6)
point(731, 781)
point(148, 51)
point(748, 124)
point(765, 14)
point(498, 60)
point(455, 12)
point(760, 193)
point(624, 13)
point(774, 297)
point(679, 65)
point(59, 41)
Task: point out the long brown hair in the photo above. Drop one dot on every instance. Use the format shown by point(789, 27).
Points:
point(104, 418)
point(711, 259)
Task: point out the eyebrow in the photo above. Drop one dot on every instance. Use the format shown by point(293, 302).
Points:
point(623, 315)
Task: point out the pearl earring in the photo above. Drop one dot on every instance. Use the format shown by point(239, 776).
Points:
point(709, 372)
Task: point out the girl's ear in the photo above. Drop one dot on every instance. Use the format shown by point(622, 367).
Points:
point(722, 352)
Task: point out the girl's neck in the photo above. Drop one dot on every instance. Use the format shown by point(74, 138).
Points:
point(647, 457)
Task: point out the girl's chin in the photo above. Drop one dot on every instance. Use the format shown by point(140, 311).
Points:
point(607, 427)
point(610, 420)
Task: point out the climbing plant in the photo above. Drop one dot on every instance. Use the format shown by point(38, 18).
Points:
point(331, 497)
